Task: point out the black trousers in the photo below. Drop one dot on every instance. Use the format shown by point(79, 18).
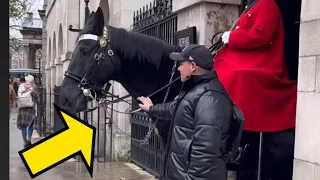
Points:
point(277, 155)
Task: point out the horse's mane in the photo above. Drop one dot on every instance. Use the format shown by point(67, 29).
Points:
point(131, 45)
point(136, 46)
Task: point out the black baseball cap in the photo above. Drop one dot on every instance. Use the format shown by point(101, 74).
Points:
point(198, 54)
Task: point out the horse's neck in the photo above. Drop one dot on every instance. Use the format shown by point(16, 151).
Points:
point(141, 78)
point(139, 84)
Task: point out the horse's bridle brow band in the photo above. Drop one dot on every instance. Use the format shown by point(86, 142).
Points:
point(88, 36)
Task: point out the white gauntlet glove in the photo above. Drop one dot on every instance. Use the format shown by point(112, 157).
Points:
point(225, 37)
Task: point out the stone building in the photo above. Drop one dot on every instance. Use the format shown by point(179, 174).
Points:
point(209, 17)
point(31, 30)
point(15, 55)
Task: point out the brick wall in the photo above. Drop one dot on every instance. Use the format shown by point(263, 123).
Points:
point(307, 146)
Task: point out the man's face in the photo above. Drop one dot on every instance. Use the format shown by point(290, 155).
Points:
point(186, 69)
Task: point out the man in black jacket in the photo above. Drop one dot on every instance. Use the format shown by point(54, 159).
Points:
point(200, 120)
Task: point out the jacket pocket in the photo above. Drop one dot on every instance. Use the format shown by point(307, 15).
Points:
point(186, 152)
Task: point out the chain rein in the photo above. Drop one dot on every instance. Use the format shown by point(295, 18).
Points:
point(152, 126)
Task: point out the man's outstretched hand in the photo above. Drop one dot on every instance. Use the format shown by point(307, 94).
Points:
point(146, 103)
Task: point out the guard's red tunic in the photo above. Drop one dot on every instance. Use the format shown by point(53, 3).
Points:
point(252, 69)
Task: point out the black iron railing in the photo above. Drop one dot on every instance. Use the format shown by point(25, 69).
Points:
point(47, 124)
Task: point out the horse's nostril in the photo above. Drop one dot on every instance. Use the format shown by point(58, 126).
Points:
point(64, 101)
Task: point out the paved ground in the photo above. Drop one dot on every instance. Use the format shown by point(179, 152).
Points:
point(69, 170)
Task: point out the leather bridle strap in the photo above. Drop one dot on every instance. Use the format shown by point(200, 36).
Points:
point(85, 84)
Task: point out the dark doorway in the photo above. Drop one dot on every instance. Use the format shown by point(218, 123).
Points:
point(290, 11)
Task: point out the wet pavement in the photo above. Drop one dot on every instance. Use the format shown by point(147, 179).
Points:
point(69, 170)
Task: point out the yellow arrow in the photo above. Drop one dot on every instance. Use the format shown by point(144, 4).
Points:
point(77, 138)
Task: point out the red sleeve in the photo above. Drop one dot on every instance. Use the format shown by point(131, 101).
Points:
point(265, 26)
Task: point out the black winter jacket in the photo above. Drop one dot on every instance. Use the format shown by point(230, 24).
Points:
point(198, 133)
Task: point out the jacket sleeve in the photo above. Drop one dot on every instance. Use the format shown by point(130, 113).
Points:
point(163, 111)
point(261, 33)
point(206, 160)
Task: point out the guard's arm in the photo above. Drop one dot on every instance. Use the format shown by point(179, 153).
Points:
point(267, 19)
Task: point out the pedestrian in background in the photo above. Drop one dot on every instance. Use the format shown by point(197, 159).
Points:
point(12, 96)
point(27, 101)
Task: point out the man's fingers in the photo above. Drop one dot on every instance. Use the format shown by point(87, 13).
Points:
point(141, 99)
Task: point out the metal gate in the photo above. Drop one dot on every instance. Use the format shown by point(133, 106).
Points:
point(99, 118)
point(41, 108)
point(57, 121)
point(156, 20)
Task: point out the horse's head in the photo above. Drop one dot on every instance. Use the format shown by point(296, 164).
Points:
point(139, 62)
point(87, 70)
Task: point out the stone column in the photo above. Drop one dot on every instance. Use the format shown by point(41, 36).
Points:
point(59, 72)
point(48, 100)
point(121, 126)
point(32, 56)
point(44, 41)
point(53, 84)
point(26, 56)
point(307, 150)
point(209, 16)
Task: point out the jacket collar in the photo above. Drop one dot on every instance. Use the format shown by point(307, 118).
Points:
point(198, 79)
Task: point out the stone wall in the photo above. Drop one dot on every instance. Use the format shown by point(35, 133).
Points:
point(16, 58)
point(307, 151)
point(209, 16)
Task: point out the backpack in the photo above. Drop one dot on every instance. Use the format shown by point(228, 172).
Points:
point(24, 97)
point(235, 151)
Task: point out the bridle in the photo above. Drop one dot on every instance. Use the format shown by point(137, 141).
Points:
point(84, 84)
point(87, 86)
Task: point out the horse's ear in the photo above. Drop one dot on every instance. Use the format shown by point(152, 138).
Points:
point(91, 15)
point(99, 21)
point(90, 21)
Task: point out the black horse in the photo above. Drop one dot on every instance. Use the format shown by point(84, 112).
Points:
point(139, 62)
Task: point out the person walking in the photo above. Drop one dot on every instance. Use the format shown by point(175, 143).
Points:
point(27, 100)
point(200, 120)
point(12, 97)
